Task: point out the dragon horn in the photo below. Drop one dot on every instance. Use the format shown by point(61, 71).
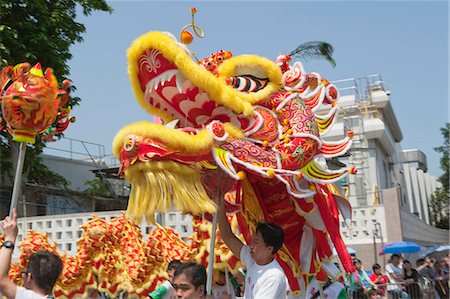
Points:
point(36, 70)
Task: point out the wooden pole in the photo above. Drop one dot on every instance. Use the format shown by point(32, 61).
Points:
point(18, 177)
point(211, 255)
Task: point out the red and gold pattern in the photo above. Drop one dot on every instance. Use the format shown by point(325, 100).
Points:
point(32, 104)
point(113, 257)
point(200, 246)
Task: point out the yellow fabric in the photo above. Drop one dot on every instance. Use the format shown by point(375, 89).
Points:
point(252, 212)
point(173, 139)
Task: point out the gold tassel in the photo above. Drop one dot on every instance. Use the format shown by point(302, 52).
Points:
point(161, 185)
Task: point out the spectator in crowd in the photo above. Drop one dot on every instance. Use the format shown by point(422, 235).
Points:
point(189, 281)
point(379, 279)
point(221, 289)
point(358, 286)
point(394, 272)
point(427, 274)
point(43, 269)
point(411, 278)
point(425, 269)
point(446, 259)
point(265, 277)
point(442, 270)
point(442, 279)
point(165, 290)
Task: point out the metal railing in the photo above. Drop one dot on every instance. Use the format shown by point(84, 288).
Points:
point(361, 87)
point(77, 149)
point(422, 289)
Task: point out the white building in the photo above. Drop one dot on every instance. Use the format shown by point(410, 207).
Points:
point(391, 190)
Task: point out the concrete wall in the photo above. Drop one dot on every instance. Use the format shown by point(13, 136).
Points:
point(77, 172)
point(419, 186)
point(392, 214)
point(417, 231)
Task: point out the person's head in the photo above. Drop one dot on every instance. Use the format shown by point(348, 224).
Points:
point(189, 281)
point(447, 260)
point(43, 271)
point(220, 278)
point(407, 265)
point(357, 263)
point(420, 262)
point(173, 265)
point(266, 241)
point(395, 259)
point(429, 261)
point(376, 269)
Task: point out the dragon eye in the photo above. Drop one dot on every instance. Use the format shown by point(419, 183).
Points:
point(220, 58)
point(208, 63)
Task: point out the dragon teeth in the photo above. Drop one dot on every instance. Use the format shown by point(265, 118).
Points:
point(180, 79)
point(172, 124)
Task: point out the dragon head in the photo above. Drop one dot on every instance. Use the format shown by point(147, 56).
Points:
point(240, 114)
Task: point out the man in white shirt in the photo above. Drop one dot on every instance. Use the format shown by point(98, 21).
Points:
point(265, 278)
point(42, 272)
point(394, 273)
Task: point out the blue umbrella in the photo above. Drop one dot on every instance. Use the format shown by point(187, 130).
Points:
point(439, 252)
point(443, 248)
point(401, 247)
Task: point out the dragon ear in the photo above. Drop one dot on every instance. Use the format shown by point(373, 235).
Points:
point(314, 50)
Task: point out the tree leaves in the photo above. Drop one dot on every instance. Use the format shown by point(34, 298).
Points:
point(440, 200)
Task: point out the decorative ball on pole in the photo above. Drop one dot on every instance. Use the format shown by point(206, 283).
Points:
point(32, 105)
point(185, 36)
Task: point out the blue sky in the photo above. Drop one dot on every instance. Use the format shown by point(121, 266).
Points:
point(405, 42)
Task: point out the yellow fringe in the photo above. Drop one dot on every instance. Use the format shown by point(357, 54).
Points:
point(173, 139)
point(233, 130)
point(217, 89)
point(161, 185)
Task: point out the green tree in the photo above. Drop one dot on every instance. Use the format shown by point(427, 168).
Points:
point(97, 187)
point(40, 31)
point(440, 200)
